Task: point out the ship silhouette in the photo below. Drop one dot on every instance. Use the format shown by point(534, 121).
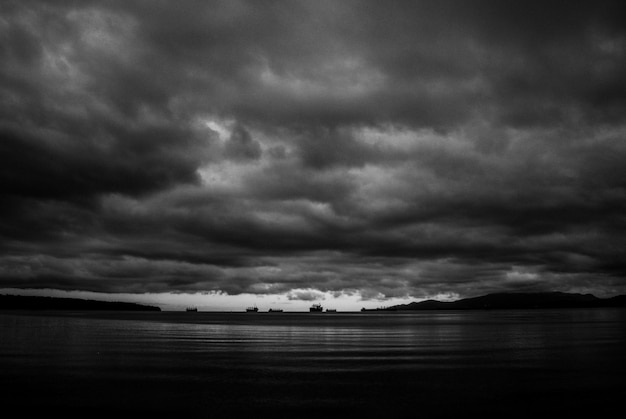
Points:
point(316, 308)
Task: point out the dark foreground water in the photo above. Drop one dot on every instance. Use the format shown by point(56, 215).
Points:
point(543, 363)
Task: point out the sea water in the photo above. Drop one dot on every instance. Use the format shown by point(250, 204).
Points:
point(499, 363)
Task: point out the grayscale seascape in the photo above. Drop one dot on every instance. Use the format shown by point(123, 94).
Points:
point(303, 209)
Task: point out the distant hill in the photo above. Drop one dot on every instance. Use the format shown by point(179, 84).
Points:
point(20, 302)
point(516, 301)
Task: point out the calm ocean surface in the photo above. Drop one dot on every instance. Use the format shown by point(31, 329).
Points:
point(501, 363)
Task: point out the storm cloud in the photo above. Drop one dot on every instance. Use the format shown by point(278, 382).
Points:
point(381, 149)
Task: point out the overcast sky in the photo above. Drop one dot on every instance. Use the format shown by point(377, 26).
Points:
point(370, 151)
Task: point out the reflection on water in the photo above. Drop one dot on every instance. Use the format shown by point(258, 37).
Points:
point(503, 362)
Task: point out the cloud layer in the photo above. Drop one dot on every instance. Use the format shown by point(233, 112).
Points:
point(396, 149)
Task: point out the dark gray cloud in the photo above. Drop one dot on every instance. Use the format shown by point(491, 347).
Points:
point(396, 149)
point(241, 146)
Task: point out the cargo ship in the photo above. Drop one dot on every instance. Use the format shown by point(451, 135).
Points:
point(379, 309)
point(316, 308)
point(252, 309)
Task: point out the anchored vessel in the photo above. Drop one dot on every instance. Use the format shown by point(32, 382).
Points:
point(275, 310)
point(379, 309)
point(316, 308)
point(252, 309)
point(331, 310)
point(192, 309)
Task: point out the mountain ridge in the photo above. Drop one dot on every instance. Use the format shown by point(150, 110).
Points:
point(516, 300)
point(22, 302)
